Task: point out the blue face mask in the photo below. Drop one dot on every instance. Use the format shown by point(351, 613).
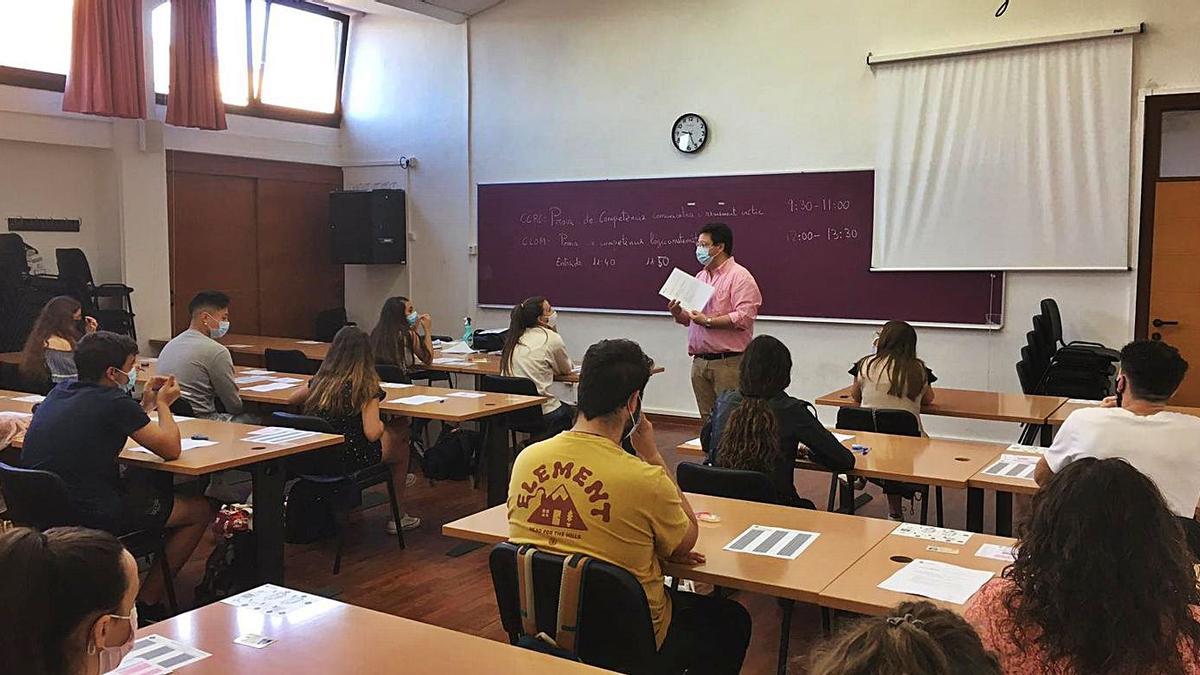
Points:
point(130, 381)
point(702, 255)
point(412, 318)
point(220, 331)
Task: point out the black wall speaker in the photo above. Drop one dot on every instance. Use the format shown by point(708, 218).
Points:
point(368, 227)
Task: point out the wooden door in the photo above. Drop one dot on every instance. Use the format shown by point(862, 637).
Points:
point(1175, 277)
point(214, 245)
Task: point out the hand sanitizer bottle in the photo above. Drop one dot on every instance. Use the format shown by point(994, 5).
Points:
point(467, 330)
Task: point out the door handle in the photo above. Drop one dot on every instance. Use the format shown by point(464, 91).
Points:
point(1159, 323)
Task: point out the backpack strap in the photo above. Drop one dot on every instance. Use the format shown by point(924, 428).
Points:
point(525, 588)
point(570, 600)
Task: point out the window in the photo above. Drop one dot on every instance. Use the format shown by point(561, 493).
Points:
point(281, 59)
point(35, 43)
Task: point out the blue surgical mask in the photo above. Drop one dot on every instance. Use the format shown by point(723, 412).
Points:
point(130, 381)
point(412, 318)
point(702, 255)
point(220, 331)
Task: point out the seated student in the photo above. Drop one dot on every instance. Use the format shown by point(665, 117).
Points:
point(202, 366)
point(72, 612)
point(533, 349)
point(345, 392)
point(893, 378)
point(402, 337)
point(624, 509)
point(1136, 426)
point(914, 638)
point(81, 427)
point(49, 353)
point(758, 427)
point(1102, 581)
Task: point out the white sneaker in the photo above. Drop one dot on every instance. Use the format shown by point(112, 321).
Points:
point(406, 521)
point(894, 519)
point(410, 480)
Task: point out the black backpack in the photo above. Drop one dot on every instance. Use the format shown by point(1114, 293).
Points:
point(231, 568)
point(453, 456)
point(309, 515)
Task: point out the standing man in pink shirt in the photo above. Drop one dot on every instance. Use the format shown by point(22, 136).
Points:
point(719, 333)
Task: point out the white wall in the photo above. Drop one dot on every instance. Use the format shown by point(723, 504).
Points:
point(60, 181)
point(570, 89)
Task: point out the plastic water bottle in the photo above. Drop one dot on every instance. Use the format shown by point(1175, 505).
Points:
point(467, 330)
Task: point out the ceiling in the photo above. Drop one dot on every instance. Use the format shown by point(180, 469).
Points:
point(453, 11)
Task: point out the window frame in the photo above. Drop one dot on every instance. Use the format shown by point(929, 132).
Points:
point(36, 79)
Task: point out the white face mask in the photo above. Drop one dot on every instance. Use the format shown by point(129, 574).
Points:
point(111, 657)
point(552, 320)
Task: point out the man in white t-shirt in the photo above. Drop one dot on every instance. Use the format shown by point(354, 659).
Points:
point(1135, 425)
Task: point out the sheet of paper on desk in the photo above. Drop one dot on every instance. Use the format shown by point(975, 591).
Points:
point(447, 361)
point(1013, 466)
point(931, 533)
point(458, 347)
point(278, 435)
point(937, 580)
point(270, 386)
point(308, 342)
point(178, 418)
point(251, 379)
point(997, 552)
point(773, 542)
point(1031, 449)
point(842, 438)
point(185, 444)
point(32, 398)
point(467, 394)
point(22, 415)
point(239, 346)
point(419, 399)
point(164, 653)
point(138, 666)
point(1083, 401)
point(272, 599)
point(394, 385)
point(695, 442)
point(258, 371)
point(687, 289)
point(288, 380)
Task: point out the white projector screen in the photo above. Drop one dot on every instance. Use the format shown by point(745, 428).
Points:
point(1006, 160)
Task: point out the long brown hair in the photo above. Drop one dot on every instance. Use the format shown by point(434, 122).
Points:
point(57, 318)
point(68, 577)
point(1103, 580)
point(750, 440)
point(915, 637)
point(896, 351)
point(346, 380)
point(389, 338)
point(523, 317)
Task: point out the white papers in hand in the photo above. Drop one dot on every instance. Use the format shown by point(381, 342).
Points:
point(937, 580)
point(774, 542)
point(1013, 466)
point(270, 386)
point(931, 533)
point(418, 400)
point(184, 443)
point(687, 289)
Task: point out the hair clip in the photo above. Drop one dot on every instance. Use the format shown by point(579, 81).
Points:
point(907, 618)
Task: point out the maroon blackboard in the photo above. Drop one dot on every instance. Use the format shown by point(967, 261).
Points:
point(806, 237)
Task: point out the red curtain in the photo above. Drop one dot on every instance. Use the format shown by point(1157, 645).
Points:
point(195, 98)
point(107, 62)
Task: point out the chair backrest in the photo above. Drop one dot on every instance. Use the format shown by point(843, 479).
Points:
point(750, 486)
point(392, 373)
point(36, 499)
point(879, 420)
point(1044, 335)
point(329, 322)
point(73, 266)
point(1191, 533)
point(525, 418)
point(183, 407)
point(324, 462)
point(289, 361)
point(12, 255)
point(1053, 320)
point(615, 630)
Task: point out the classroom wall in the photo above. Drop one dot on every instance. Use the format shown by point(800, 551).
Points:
point(34, 180)
point(573, 89)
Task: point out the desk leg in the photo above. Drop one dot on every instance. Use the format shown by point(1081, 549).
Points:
point(847, 494)
point(1046, 435)
point(975, 509)
point(787, 607)
point(1004, 515)
point(495, 439)
point(268, 520)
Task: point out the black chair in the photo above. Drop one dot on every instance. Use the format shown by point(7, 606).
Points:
point(524, 421)
point(750, 486)
point(324, 468)
point(290, 361)
point(430, 376)
point(329, 322)
point(390, 373)
point(1191, 533)
point(615, 630)
point(39, 499)
point(897, 423)
point(75, 272)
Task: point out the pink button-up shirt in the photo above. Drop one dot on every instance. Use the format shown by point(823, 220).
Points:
point(735, 295)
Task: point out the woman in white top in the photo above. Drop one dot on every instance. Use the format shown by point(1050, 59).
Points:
point(894, 378)
point(534, 350)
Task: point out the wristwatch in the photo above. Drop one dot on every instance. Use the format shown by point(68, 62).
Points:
point(708, 321)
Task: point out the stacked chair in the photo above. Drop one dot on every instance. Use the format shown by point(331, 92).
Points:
point(110, 304)
point(1051, 366)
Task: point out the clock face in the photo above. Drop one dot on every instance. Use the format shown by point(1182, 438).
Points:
point(689, 133)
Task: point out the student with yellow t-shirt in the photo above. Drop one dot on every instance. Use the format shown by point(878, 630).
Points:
point(580, 492)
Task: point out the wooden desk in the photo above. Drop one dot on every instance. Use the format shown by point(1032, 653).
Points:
point(8, 404)
point(1005, 488)
point(843, 540)
point(1064, 411)
point(857, 588)
point(11, 358)
point(971, 404)
point(333, 637)
point(256, 346)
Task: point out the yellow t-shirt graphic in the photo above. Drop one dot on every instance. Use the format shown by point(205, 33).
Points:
point(581, 493)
